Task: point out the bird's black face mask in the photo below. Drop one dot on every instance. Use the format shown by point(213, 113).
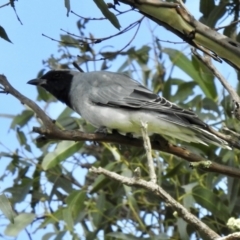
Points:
point(57, 83)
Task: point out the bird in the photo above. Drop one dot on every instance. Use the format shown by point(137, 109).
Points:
point(115, 102)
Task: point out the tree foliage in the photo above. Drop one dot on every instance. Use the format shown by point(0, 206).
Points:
point(51, 178)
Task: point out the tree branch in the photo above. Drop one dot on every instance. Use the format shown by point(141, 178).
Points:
point(233, 236)
point(50, 131)
point(8, 88)
point(160, 192)
point(148, 148)
point(176, 18)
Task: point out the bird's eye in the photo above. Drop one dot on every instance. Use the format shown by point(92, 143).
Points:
point(57, 75)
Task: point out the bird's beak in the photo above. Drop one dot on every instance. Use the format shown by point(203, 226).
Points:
point(37, 82)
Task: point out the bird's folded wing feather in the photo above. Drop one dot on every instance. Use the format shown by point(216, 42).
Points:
point(118, 90)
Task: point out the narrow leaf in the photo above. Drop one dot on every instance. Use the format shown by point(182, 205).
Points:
point(64, 150)
point(107, 14)
point(206, 6)
point(4, 35)
point(22, 119)
point(67, 6)
point(20, 222)
point(180, 60)
point(209, 200)
point(6, 208)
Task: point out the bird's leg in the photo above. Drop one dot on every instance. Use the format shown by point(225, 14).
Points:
point(102, 129)
point(130, 135)
point(159, 139)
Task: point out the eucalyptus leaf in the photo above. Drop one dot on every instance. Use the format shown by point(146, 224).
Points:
point(4, 35)
point(64, 150)
point(20, 222)
point(6, 208)
point(180, 60)
point(107, 14)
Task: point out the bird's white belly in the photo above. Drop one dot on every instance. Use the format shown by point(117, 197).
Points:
point(129, 121)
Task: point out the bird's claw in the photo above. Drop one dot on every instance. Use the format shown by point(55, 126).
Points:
point(102, 130)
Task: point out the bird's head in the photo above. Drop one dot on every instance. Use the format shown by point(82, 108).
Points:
point(56, 82)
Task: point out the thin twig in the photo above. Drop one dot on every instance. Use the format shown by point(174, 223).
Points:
point(148, 148)
point(160, 192)
point(4, 5)
point(232, 23)
point(98, 19)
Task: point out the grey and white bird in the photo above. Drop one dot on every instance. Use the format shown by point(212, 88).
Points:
point(114, 101)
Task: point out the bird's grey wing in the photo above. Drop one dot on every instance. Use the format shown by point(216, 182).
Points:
point(118, 90)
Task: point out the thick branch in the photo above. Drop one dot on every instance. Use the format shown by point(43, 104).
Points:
point(164, 146)
point(177, 19)
point(157, 190)
point(50, 131)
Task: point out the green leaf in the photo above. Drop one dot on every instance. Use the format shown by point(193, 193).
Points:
point(4, 35)
point(114, 151)
point(184, 91)
point(209, 200)
point(217, 13)
point(64, 150)
point(55, 176)
point(107, 14)
point(65, 113)
point(55, 217)
point(69, 123)
point(174, 171)
point(76, 202)
point(180, 60)
point(67, 218)
point(22, 119)
point(44, 95)
point(182, 228)
point(67, 6)
point(48, 236)
point(188, 200)
point(21, 137)
point(6, 208)
point(60, 235)
point(69, 41)
point(210, 105)
point(202, 69)
point(20, 222)
point(206, 6)
point(98, 214)
point(20, 191)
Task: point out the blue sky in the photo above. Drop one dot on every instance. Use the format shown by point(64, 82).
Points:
point(22, 60)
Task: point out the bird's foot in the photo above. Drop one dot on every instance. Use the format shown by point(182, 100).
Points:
point(130, 135)
point(102, 129)
point(159, 140)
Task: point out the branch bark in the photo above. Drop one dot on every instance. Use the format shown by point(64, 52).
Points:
point(148, 148)
point(177, 19)
point(233, 236)
point(50, 131)
point(160, 192)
